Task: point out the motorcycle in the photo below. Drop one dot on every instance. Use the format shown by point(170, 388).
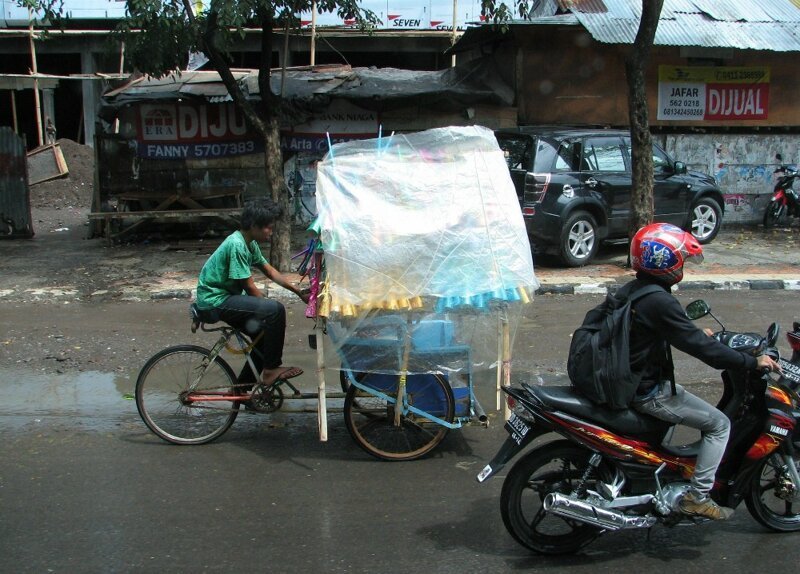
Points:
point(785, 202)
point(791, 368)
point(612, 470)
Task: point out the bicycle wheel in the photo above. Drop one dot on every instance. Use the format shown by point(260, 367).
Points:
point(164, 399)
point(370, 418)
point(344, 381)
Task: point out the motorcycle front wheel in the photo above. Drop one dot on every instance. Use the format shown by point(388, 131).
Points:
point(773, 214)
point(556, 467)
point(770, 497)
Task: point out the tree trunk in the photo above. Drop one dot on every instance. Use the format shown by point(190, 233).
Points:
point(641, 139)
point(280, 250)
point(264, 121)
point(281, 245)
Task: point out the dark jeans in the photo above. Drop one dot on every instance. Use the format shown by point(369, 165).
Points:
point(252, 315)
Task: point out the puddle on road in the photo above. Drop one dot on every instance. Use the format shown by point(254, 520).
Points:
point(95, 401)
point(89, 400)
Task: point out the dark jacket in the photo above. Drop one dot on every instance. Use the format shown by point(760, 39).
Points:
point(658, 321)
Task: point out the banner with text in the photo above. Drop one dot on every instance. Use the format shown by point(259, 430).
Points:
point(713, 93)
point(340, 121)
point(186, 131)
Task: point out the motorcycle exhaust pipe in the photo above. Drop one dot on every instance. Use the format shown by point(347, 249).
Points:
point(588, 513)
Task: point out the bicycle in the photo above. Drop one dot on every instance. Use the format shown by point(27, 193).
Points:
point(189, 395)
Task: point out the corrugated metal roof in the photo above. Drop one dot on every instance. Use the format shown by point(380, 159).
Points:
point(383, 88)
point(768, 25)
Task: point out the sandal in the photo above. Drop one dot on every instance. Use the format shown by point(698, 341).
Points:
point(284, 374)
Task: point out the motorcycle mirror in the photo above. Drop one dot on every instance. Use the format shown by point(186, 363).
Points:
point(697, 309)
point(779, 157)
point(772, 334)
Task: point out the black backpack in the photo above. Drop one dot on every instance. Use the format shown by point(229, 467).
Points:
point(599, 356)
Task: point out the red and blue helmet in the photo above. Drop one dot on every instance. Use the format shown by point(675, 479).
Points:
point(661, 249)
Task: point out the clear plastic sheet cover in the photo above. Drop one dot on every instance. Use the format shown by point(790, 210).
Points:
point(425, 249)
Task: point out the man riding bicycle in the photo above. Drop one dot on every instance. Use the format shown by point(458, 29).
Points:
point(226, 289)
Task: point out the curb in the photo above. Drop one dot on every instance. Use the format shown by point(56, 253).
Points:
point(567, 288)
point(704, 285)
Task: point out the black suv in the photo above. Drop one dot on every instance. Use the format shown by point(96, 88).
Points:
point(574, 186)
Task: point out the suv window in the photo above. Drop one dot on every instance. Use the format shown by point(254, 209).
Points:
point(661, 161)
point(545, 154)
point(603, 154)
point(517, 150)
point(569, 156)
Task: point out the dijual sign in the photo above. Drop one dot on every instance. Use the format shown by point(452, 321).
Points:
point(713, 93)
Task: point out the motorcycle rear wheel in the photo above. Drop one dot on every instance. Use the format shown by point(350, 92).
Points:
point(773, 214)
point(763, 501)
point(556, 467)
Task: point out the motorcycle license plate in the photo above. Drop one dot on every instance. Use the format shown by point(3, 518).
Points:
point(517, 427)
point(790, 370)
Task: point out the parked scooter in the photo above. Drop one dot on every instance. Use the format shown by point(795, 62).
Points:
point(785, 202)
point(610, 470)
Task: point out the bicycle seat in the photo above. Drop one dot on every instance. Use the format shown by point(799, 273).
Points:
point(200, 316)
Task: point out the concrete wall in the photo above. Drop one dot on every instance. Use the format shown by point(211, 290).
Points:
point(742, 163)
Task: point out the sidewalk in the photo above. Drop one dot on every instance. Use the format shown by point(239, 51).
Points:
point(59, 265)
point(740, 258)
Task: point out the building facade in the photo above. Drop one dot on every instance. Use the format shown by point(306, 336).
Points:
point(721, 86)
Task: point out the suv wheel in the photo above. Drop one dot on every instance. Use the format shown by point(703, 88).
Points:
point(579, 240)
point(706, 218)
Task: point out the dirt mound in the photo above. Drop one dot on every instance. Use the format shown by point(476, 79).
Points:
point(73, 191)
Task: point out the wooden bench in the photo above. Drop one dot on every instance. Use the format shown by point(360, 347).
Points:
point(230, 214)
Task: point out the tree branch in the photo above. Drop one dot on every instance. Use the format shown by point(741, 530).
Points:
point(223, 69)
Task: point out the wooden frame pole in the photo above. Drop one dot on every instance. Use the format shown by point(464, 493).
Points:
point(322, 406)
point(313, 32)
point(14, 111)
point(34, 70)
point(506, 364)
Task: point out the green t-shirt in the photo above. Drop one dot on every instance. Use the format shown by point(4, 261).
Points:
point(228, 265)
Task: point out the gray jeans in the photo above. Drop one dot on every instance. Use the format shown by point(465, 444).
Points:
point(686, 409)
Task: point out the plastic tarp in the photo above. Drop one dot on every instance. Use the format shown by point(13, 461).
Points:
point(425, 251)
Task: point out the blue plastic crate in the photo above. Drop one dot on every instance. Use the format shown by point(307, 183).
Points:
point(432, 333)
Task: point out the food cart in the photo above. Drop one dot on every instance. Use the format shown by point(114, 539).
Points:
point(419, 273)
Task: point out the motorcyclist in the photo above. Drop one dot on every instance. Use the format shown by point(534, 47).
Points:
point(658, 252)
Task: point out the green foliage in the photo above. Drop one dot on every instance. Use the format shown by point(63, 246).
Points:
point(159, 34)
point(50, 12)
point(499, 12)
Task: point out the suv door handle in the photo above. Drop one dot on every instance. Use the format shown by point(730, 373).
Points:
point(591, 182)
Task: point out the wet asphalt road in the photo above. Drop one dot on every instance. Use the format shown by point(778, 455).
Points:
point(84, 487)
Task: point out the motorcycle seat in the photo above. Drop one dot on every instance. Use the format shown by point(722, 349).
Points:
point(623, 421)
